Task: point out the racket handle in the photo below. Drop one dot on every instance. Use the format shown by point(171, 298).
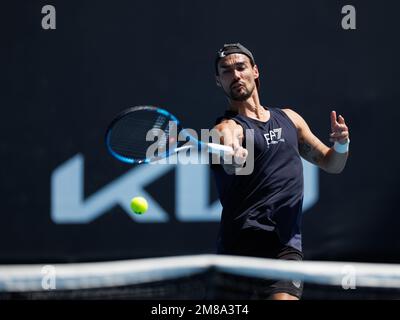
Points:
point(219, 148)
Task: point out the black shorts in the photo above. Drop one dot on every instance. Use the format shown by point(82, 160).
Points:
point(264, 244)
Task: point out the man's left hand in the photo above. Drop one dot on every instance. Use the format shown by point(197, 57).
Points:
point(339, 129)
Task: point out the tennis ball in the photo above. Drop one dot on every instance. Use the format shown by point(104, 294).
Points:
point(139, 205)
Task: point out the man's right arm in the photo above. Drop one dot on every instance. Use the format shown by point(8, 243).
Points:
point(231, 134)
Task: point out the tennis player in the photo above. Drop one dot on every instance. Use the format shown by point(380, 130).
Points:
point(261, 214)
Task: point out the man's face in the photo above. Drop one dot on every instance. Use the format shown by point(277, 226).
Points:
point(237, 76)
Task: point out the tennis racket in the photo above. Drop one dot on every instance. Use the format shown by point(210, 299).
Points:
point(126, 136)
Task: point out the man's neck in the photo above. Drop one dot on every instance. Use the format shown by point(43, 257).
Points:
point(250, 108)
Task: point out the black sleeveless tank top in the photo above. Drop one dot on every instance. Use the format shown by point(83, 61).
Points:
point(271, 197)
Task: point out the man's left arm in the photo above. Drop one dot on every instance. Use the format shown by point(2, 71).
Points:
point(332, 160)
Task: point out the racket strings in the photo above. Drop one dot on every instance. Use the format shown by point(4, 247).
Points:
point(128, 135)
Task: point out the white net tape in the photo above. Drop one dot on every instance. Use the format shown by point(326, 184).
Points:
point(19, 278)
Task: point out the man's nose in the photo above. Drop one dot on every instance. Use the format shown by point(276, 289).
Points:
point(236, 74)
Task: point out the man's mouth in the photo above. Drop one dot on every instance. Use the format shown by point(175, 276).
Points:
point(237, 86)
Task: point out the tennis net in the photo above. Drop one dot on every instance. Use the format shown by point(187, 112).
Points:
point(204, 277)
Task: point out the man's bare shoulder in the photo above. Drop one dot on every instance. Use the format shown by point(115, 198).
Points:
point(294, 116)
point(226, 124)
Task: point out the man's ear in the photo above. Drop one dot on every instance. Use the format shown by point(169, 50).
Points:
point(217, 81)
point(256, 73)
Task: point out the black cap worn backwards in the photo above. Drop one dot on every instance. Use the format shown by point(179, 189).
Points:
point(231, 48)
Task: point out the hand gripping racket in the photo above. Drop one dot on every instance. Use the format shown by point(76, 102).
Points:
point(126, 136)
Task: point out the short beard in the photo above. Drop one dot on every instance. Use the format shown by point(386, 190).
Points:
point(241, 96)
